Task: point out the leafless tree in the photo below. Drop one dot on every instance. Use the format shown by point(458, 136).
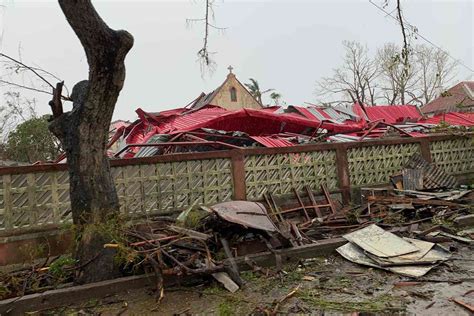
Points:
point(385, 78)
point(428, 73)
point(435, 71)
point(397, 80)
point(354, 81)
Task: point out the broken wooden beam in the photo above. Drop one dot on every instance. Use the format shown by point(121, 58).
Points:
point(406, 200)
point(463, 221)
point(189, 232)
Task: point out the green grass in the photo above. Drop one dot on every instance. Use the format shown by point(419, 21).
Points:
point(383, 303)
point(225, 308)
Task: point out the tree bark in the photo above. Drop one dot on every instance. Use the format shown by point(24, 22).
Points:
point(83, 133)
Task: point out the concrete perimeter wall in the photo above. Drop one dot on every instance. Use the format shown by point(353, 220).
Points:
point(34, 200)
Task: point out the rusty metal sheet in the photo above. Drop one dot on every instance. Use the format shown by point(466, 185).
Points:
point(245, 213)
point(433, 176)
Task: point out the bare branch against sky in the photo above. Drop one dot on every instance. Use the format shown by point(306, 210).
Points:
point(287, 45)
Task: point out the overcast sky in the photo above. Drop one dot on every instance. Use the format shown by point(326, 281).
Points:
point(286, 45)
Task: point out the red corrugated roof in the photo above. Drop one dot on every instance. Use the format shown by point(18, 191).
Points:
point(453, 118)
point(306, 112)
point(192, 120)
point(263, 124)
point(393, 113)
point(271, 141)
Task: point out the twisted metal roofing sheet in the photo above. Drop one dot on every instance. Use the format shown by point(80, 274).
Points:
point(270, 141)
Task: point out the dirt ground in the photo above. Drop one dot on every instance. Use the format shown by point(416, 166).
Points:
point(321, 286)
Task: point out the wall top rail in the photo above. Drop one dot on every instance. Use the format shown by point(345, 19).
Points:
point(233, 152)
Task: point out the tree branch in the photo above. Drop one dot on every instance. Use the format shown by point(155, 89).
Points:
point(27, 67)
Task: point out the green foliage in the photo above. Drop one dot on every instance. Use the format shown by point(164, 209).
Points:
point(31, 141)
point(254, 89)
point(194, 217)
point(57, 268)
point(113, 233)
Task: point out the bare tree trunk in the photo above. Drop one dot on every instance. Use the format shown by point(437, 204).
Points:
point(83, 133)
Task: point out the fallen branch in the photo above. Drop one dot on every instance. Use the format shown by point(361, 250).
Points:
point(463, 304)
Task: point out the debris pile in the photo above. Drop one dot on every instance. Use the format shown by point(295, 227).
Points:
point(374, 247)
point(214, 128)
point(407, 229)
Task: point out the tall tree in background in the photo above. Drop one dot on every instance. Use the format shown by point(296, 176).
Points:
point(254, 89)
point(429, 73)
point(435, 71)
point(31, 141)
point(83, 134)
point(354, 80)
point(385, 79)
point(16, 110)
point(398, 81)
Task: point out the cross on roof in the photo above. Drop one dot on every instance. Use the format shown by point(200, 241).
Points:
point(230, 69)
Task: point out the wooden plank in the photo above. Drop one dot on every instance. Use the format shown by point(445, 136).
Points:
point(412, 179)
point(301, 204)
point(328, 198)
point(314, 203)
point(405, 200)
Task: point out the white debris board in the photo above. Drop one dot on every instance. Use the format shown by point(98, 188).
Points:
point(379, 242)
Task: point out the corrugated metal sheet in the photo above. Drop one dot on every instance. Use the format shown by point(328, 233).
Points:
point(317, 114)
point(339, 138)
point(337, 114)
point(433, 177)
point(459, 119)
point(349, 110)
point(393, 113)
point(192, 120)
point(462, 93)
point(270, 141)
point(275, 120)
point(151, 151)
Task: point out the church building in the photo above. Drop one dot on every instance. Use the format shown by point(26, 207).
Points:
point(230, 95)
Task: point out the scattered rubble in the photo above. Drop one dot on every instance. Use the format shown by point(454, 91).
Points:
point(408, 229)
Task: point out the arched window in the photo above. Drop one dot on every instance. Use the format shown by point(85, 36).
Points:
point(233, 94)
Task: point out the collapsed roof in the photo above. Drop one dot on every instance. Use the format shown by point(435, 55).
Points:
point(212, 127)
